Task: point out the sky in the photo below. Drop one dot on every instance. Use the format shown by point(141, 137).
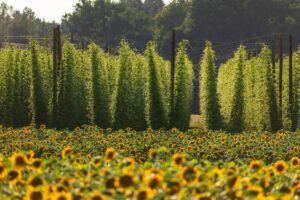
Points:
point(46, 9)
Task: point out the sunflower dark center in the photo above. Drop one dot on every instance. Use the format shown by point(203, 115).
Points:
point(1, 169)
point(178, 160)
point(295, 162)
point(110, 155)
point(36, 182)
point(13, 175)
point(280, 168)
point(189, 174)
point(126, 181)
point(36, 195)
point(142, 195)
point(20, 161)
point(96, 198)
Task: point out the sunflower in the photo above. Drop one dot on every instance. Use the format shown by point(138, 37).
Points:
point(110, 183)
point(35, 194)
point(233, 183)
point(180, 136)
point(295, 149)
point(14, 176)
point(30, 155)
point(255, 165)
point(3, 170)
point(36, 165)
point(143, 194)
point(280, 167)
point(129, 162)
point(36, 181)
point(255, 191)
point(174, 130)
point(181, 150)
point(62, 196)
point(125, 181)
point(173, 188)
point(189, 174)
point(96, 196)
point(19, 161)
point(152, 153)
point(66, 152)
point(177, 159)
point(110, 154)
point(295, 162)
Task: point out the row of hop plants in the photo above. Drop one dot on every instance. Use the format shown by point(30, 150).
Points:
point(124, 90)
point(243, 94)
point(133, 90)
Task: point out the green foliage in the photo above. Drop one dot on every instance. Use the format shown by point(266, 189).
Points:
point(183, 89)
point(209, 103)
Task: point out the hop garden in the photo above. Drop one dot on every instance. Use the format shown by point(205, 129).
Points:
point(119, 132)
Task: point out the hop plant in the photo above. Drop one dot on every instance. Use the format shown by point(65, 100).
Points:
point(183, 89)
point(101, 105)
point(231, 91)
point(155, 112)
point(38, 94)
point(209, 103)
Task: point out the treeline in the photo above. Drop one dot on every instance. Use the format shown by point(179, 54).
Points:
point(107, 22)
point(119, 91)
point(21, 23)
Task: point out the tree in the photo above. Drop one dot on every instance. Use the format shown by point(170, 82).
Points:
point(152, 7)
point(209, 104)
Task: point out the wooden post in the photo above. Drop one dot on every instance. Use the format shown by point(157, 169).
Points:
point(273, 60)
point(280, 76)
point(55, 70)
point(291, 79)
point(173, 59)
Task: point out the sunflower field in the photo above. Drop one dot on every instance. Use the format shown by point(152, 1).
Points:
point(95, 163)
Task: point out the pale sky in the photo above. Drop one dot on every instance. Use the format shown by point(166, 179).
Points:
point(46, 9)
